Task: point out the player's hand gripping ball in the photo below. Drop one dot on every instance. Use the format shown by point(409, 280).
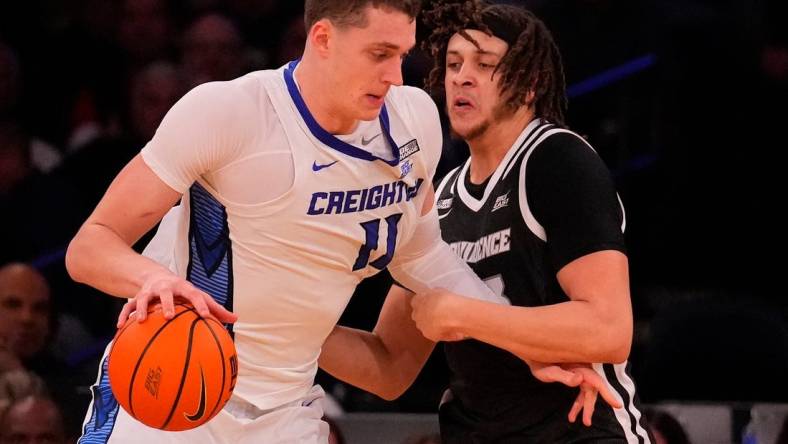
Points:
point(173, 374)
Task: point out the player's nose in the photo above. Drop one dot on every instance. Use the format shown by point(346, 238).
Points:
point(464, 77)
point(392, 73)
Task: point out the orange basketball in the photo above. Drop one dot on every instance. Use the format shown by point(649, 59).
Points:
point(173, 374)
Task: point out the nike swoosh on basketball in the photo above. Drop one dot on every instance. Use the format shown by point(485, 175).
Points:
point(318, 167)
point(366, 142)
point(201, 407)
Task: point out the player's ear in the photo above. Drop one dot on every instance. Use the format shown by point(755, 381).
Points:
point(320, 36)
point(529, 97)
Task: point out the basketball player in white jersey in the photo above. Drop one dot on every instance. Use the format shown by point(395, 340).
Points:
point(291, 185)
point(535, 214)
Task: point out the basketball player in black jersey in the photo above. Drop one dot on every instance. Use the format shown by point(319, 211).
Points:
point(534, 212)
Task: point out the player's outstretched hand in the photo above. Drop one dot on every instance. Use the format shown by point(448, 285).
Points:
point(167, 287)
point(591, 386)
point(573, 375)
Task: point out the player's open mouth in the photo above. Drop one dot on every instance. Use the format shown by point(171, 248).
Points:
point(375, 99)
point(462, 103)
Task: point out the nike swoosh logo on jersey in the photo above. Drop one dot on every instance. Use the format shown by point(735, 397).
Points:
point(201, 407)
point(318, 167)
point(366, 142)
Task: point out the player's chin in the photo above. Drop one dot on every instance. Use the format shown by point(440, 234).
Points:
point(368, 113)
point(461, 128)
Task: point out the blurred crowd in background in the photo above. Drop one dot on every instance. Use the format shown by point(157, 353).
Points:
point(684, 99)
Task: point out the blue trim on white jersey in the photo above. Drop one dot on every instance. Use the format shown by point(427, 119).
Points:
point(105, 409)
point(210, 251)
point(329, 139)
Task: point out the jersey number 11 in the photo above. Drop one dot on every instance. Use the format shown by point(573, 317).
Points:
point(372, 229)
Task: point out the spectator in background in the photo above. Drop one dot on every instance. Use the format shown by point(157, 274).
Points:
point(664, 427)
point(41, 156)
point(213, 49)
point(145, 31)
point(24, 311)
point(10, 81)
point(17, 384)
point(153, 90)
point(33, 419)
point(15, 163)
point(782, 438)
point(26, 329)
point(431, 438)
point(291, 42)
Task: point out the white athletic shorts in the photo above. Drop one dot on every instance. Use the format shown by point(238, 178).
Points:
point(297, 422)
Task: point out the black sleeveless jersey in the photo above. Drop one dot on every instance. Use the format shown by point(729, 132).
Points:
point(550, 201)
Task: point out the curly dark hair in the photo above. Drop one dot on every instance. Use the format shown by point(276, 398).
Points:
point(531, 64)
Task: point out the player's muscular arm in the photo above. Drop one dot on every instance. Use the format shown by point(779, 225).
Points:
point(385, 361)
point(594, 326)
point(100, 254)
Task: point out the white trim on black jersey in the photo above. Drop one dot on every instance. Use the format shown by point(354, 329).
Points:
point(475, 204)
point(529, 218)
point(623, 388)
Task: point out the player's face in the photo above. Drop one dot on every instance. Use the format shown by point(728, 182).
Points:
point(366, 62)
point(472, 94)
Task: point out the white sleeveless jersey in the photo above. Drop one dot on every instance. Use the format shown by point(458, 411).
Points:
point(286, 264)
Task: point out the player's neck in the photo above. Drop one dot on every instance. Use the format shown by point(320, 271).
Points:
point(489, 148)
point(313, 86)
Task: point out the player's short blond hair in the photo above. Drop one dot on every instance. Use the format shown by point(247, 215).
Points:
point(351, 12)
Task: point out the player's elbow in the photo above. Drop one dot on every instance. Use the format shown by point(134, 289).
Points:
point(73, 260)
point(389, 394)
point(394, 389)
point(615, 342)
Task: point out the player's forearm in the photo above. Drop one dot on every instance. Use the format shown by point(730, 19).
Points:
point(100, 258)
point(361, 359)
point(574, 331)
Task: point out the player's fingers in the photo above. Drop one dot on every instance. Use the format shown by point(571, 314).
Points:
point(167, 303)
point(219, 311)
point(589, 401)
point(593, 379)
point(415, 301)
point(554, 373)
point(142, 299)
point(201, 306)
point(128, 307)
point(576, 407)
